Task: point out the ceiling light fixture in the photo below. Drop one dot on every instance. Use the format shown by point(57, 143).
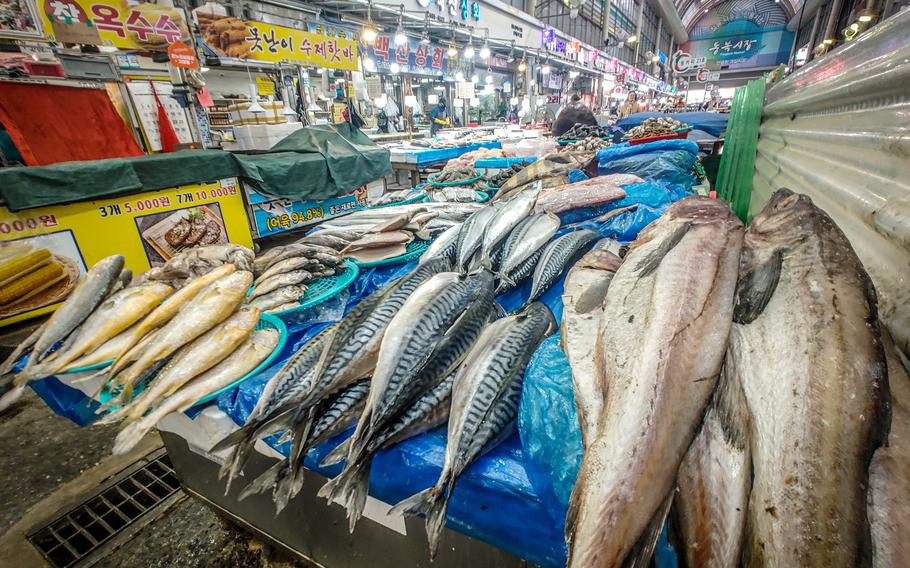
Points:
point(489, 78)
point(523, 65)
point(632, 39)
point(459, 76)
point(369, 32)
point(474, 78)
point(400, 38)
point(485, 50)
point(395, 68)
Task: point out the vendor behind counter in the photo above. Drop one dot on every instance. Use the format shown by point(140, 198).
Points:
point(576, 112)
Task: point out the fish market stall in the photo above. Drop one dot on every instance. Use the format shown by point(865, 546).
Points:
point(499, 486)
point(416, 159)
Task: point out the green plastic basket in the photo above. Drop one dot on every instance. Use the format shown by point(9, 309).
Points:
point(266, 321)
point(414, 249)
point(324, 289)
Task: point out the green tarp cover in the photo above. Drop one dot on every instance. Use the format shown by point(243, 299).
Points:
point(317, 162)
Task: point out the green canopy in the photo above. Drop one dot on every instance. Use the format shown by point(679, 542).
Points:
point(316, 162)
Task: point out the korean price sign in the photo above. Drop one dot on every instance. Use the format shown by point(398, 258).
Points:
point(115, 23)
point(271, 216)
point(146, 228)
point(227, 36)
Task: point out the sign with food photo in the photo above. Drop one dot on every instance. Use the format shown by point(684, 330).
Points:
point(115, 23)
point(227, 36)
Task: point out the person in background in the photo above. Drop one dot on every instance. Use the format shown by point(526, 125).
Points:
point(576, 112)
point(439, 117)
point(631, 106)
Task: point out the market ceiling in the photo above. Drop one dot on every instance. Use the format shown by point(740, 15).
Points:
point(691, 11)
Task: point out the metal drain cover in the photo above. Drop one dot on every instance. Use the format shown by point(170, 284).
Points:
point(75, 535)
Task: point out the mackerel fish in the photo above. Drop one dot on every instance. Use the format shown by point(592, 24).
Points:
point(412, 336)
point(807, 351)
point(501, 224)
point(519, 275)
point(470, 237)
point(444, 245)
point(534, 236)
point(447, 355)
point(485, 398)
point(90, 292)
point(583, 295)
point(556, 256)
point(658, 355)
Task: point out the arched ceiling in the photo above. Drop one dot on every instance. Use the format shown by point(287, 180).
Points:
point(691, 11)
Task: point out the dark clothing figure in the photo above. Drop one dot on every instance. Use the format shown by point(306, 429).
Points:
point(573, 113)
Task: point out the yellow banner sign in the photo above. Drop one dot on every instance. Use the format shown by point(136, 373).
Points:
point(227, 36)
point(114, 23)
point(49, 248)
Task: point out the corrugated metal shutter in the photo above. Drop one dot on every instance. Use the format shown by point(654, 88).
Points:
point(839, 131)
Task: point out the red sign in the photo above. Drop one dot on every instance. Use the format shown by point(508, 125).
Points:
point(181, 55)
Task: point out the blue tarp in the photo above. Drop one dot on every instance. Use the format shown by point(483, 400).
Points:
point(714, 123)
point(436, 155)
point(514, 497)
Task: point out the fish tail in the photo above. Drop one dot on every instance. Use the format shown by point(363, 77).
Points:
point(337, 487)
point(265, 481)
point(337, 455)
point(486, 262)
point(242, 441)
point(433, 503)
point(298, 441)
point(11, 396)
point(356, 490)
point(285, 490)
point(127, 439)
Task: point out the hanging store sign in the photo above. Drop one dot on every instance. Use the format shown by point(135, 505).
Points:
point(413, 57)
point(19, 20)
point(705, 75)
point(226, 36)
point(683, 62)
point(466, 10)
point(113, 23)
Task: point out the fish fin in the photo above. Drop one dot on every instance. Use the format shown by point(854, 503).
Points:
point(337, 455)
point(336, 487)
point(265, 481)
point(643, 550)
point(356, 490)
point(242, 441)
point(486, 262)
point(319, 367)
point(127, 438)
point(755, 288)
point(11, 396)
point(652, 260)
point(301, 431)
point(414, 505)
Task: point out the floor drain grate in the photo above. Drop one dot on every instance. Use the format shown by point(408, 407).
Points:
point(73, 536)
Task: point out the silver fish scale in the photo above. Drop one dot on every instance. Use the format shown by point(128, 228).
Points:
point(447, 353)
point(419, 410)
point(554, 258)
point(434, 320)
point(513, 351)
point(341, 407)
point(361, 328)
point(295, 378)
point(521, 272)
point(500, 417)
point(518, 233)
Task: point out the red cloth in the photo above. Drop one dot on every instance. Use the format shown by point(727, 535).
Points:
point(165, 128)
point(50, 124)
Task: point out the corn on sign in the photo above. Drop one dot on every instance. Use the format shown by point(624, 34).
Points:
point(44, 251)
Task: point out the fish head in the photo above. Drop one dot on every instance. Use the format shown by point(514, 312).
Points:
point(783, 219)
point(539, 312)
point(481, 281)
point(699, 209)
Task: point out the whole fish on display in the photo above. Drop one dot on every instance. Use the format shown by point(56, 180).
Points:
point(470, 237)
point(90, 292)
point(114, 315)
point(485, 400)
point(521, 273)
point(325, 239)
point(715, 477)
point(265, 286)
point(444, 245)
point(215, 303)
point(591, 192)
point(556, 256)
point(502, 222)
point(278, 296)
point(806, 348)
point(661, 343)
point(331, 417)
point(412, 336)
point(583, 295)
point(242, 361)
point(527, 238)
point(352, 484)
point(292, 264)
point(888, 499)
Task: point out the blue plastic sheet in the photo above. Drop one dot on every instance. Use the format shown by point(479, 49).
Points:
point(503, 163)
point(668, 161)
point(436, 155)
point(714, 123)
